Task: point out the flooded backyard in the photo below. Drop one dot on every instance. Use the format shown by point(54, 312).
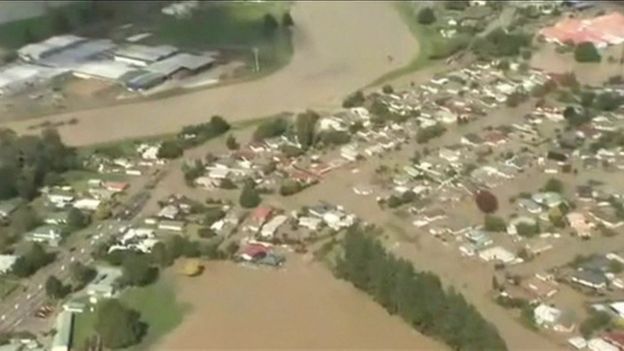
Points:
point(301, 306)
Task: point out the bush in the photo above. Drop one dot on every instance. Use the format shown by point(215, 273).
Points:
point(486, 201)
point(426, 134)
point(499, 43)
point(494, 224)
point(334, 137)
point(201, 133)
point(586, 52)
point(270, 128)
point(290, 187)
point(170, 149)
point(387, 89)
point(304, 127)
point(249, 197)
point(231, 143)
point(527, 230)
point(354, 100)
point(426, 16)
point(213, 215)
point(554, 185)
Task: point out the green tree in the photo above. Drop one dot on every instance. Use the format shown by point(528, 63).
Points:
point(161, 256)
point(494, 224)
point(77, 220)
point(354, 100)
point(59, 20)
point(55, 289)
point(137, 270)
point(270, 24)
point(289, 187)
point(23, 220)
point(426, 16)
point(116, 325)
point(270, 128)
point(212, 215)
point(30, 262)
point(249, 197)
point(81, 274)
point(554, 185)
point(231, 143)
point(597, 320)
point(387, 89)
point(170, 149)
point(287, 20)
point(304, 127)
point(586, 52)
point(425, 134)
point(527, 230)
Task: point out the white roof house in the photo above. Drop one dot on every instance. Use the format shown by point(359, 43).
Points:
point(62, 338)
point(268, 230)
point(87, 204)
point(103, 285)
point(598, 344)
point(6, 263)
point(546, 316)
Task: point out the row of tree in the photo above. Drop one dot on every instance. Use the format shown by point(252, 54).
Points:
point(193, 135)
point(418, 297)
point(27, 162)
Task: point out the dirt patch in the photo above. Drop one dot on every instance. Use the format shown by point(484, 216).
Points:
point(339, 47)
point(301, 306)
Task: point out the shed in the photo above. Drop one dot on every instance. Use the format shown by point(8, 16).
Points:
point(35, 51)
point(105, 70)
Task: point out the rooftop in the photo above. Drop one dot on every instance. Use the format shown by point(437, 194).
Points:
point(146, 53)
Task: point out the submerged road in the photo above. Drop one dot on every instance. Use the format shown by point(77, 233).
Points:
point(339, 47)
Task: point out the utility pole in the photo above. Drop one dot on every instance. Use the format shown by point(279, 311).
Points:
point(257, 62)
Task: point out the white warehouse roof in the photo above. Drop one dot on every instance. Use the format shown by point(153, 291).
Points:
point(176, 62)
point(144, 53)
point(109, 70)
point(37, 50)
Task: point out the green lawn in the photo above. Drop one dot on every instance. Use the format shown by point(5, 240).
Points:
point(237, 26)
point(7, 286)
point(17, 33)
point(158, 308)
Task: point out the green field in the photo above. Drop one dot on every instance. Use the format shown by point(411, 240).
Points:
point(158, 308)
point(236, 26)
point(7, 286)
point(17, 33)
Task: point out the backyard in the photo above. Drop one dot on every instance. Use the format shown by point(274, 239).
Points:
point(158, 308)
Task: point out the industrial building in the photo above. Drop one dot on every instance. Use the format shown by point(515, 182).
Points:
point(141, 55)
point(37, 51)
point(16, 78)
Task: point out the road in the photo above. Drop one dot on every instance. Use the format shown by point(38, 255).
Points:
point(338, 47)
point(21, 305)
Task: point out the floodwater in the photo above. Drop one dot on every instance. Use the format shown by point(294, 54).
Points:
point(339, 47)
point(301, 306)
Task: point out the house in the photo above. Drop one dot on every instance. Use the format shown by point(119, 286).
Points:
point(549, 199)
point(498, 254)
point(170, 212)
point(537, 246)
point(579, 223)
point(606, 216)
point(104, 284)
point(546, 316)
point(254, 251)
point(116, 186)
point(479, 238)
point(57, 218)
point(176, 226)
point(46, 233)
point(6, 263)
point(269, 229)
point(87, 204)
point(589, 279)
point(311, 223)
point(578, 342)
point(258, 217)
point(530, 205)
point(62, 338)
point(599, 344)
point(539, 288)
point(615, 338)
point(60, 198)
point(9, 206)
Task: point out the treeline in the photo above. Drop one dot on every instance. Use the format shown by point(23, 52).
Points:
point(28, 162)
point(418, 297)
point(194, 135)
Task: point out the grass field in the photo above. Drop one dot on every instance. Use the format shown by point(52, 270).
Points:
point(17, 33)
point(237, 26)
point(158, 308)
point(7, 286)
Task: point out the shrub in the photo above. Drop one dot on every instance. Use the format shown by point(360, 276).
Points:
point(426, 16)
point(586, 52)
